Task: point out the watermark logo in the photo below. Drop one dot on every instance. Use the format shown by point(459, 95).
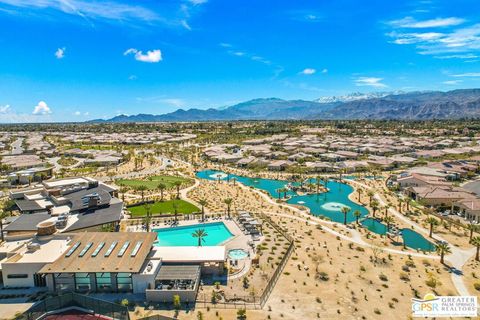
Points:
point(444, 306)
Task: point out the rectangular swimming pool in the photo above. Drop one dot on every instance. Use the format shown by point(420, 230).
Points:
point(217, 232)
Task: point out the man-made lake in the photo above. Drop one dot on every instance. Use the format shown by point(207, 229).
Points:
point(328, 204)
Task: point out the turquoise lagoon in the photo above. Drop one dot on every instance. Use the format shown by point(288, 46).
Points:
point(328, 204)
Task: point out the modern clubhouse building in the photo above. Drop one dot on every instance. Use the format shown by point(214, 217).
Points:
point(113, 262)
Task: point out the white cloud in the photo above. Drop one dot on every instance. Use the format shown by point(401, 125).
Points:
point(152, 56)
point(454, 42)
point(198, 2)
point(77, 113)
point(370, 81)
point(5, 109)
point(41, 109)
point(60, 53)
point(225, 45)
point(467, 74)
point(185, 24)
point(308, 71)
point(452, 82)
point(108, 10)
point(411, 38)
point(325, 70)
point(458, 56)
point(409, 22)
point(132, 77)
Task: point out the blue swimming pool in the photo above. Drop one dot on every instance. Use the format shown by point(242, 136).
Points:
point(217, 233)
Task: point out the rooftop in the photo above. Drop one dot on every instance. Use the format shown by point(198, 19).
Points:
point(190, 254)
point(104, 252)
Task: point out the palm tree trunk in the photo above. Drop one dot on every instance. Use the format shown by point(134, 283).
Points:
point(431, 230)
point(476, 255)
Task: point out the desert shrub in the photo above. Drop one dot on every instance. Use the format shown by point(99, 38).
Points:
point(476, 285)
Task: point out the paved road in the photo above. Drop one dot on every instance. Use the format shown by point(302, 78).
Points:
point(54, 161)
point(17, 146)
point(473, 186)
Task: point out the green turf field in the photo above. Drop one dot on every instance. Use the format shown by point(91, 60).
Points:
point(164, 207)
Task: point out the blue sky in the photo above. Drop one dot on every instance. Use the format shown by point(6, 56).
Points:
point(73, 60)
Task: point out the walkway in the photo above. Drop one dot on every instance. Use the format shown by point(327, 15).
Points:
point(457, 258)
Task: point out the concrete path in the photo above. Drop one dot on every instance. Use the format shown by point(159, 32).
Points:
point(456, 259)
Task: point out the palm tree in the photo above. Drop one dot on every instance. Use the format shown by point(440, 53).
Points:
point(432, 222)
point(476, 242)
point(389, 221)
point(161, 187)
point(370, 194)
point(442, 249)
point(357, 215)
point(386, 209)
point(472, 228)
point(375, 205)
point(345, 211)
point(175, 210)
point(279, 191)
point(359, 193)
point(317, 182)
point(123, 190)
point(148, 216)
point(177, 184)
point(234, 180)
point(200, 234)
point(400, 204)
point(203, 203)
point(142, 188)
point(228, 202)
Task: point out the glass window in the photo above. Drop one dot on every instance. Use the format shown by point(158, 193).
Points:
point(64, 282)
point(124, 282)
point(104, 281)
point(17, 276)
point(82, 281)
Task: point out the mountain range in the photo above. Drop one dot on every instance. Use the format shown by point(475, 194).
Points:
point(419, 105)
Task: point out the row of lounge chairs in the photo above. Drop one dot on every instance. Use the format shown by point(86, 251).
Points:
point(248, 224)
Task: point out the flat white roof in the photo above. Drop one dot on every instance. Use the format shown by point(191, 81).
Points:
point(44, 203)
point(34, 196)
point(48, 252)
point(64, 182)
point(9, 246)
point(190, 254)
point(59, 210)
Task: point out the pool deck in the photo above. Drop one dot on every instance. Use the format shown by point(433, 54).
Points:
point(238, 241)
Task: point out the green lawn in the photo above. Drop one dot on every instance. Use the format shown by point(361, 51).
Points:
point(152, 183)
point(164, 207)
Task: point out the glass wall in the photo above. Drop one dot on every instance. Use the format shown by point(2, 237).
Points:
point(82, 282)
point(104, 281)
point(124, 282)
point(64, 282)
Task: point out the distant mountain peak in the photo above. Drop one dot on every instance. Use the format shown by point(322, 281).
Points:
point(354, 96)
point(419, 105)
